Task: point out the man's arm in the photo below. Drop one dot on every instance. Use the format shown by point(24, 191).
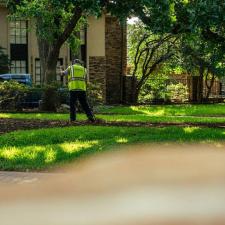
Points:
point(85, 75)
point(65, 72)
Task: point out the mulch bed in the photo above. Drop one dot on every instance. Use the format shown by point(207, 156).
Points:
point(9, 125)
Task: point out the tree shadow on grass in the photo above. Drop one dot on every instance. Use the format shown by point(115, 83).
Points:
point(166, 110)
point(40, 150)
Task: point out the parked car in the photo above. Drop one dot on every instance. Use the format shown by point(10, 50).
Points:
point(20, 78)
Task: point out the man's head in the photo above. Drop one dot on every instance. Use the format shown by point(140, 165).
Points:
point(77, 61)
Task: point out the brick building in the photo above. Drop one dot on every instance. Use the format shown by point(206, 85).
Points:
point(103, 49)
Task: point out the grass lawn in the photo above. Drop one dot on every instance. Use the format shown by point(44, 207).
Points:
point(171, 113)
point(119, 117)
point(167, 110)
point(46, 148)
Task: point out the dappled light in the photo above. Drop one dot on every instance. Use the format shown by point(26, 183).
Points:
point(44, 147)
point(190, 129)
point(121, 140)
point(77, 146)
point(167, 110)
point(5, 115)
point(153, 111)
point(42, 116)
point(9, 153)
point(43, 155)
point(169, 113)
point(106, 120)
point(33, 151)
point(50, 156)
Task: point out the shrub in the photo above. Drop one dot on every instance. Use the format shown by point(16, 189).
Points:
point(162, 90)
point(177, 92)
point(12, 94)
point(50, 100)
point(54, 96)
point(95, 94)
point(153, 91)
point(64, 96)
point(33, 97)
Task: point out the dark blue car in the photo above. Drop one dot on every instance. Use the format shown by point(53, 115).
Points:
point(20, 78)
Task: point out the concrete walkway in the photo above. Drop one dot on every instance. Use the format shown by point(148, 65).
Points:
point(22, 177)
point(148, 184)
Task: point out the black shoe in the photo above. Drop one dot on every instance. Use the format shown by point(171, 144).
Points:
point(98, 121)
point(92, 119)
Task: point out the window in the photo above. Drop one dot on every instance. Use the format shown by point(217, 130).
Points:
point(58, 69)
point(37, 71)
point(82, 36)
point(18, 32)
point(18, 66)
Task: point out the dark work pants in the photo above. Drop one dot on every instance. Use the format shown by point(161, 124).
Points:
point(81, 96)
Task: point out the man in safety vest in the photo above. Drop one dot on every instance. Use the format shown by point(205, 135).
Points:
point(77, 87)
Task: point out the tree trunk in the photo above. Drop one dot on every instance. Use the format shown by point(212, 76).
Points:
point(49, 50)
point(200, 85)
point(197, 87)
point(194, 88)
point(50, 72)
point(48, 61)
point(209, 87)
point(134, 95)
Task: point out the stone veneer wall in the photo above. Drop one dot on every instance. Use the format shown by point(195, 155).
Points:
point(97, 72)
point(129, 84)
point(223, 87)
point(116, 57)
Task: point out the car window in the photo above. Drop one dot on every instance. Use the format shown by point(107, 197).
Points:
point(18, 77)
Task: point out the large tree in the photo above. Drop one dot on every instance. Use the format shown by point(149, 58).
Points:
point(55, 20)
point(203, 60)
point(147, 53)
point(202, 24)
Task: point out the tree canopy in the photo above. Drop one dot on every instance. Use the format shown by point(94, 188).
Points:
point(56, 20)
point(201, 23)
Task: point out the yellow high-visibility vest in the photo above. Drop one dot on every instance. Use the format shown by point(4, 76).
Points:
point(76, 78)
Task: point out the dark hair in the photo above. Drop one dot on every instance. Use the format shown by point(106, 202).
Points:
point(77, 61)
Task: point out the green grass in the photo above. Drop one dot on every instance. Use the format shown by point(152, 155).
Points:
point(118, 117)
point(167, 110)
point(47, 148)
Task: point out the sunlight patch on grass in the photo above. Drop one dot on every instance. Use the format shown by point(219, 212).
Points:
point(9, 153)
point(50, 156)
point(47, 153)
point(48, 148)
point(39, 115)
point(5, 115)
point(189, 130)
point(121, 140)
point(77, 146)
point(147, 111)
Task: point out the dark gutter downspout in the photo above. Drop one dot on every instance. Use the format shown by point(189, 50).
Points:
point(122, 81)
point(85, 35)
